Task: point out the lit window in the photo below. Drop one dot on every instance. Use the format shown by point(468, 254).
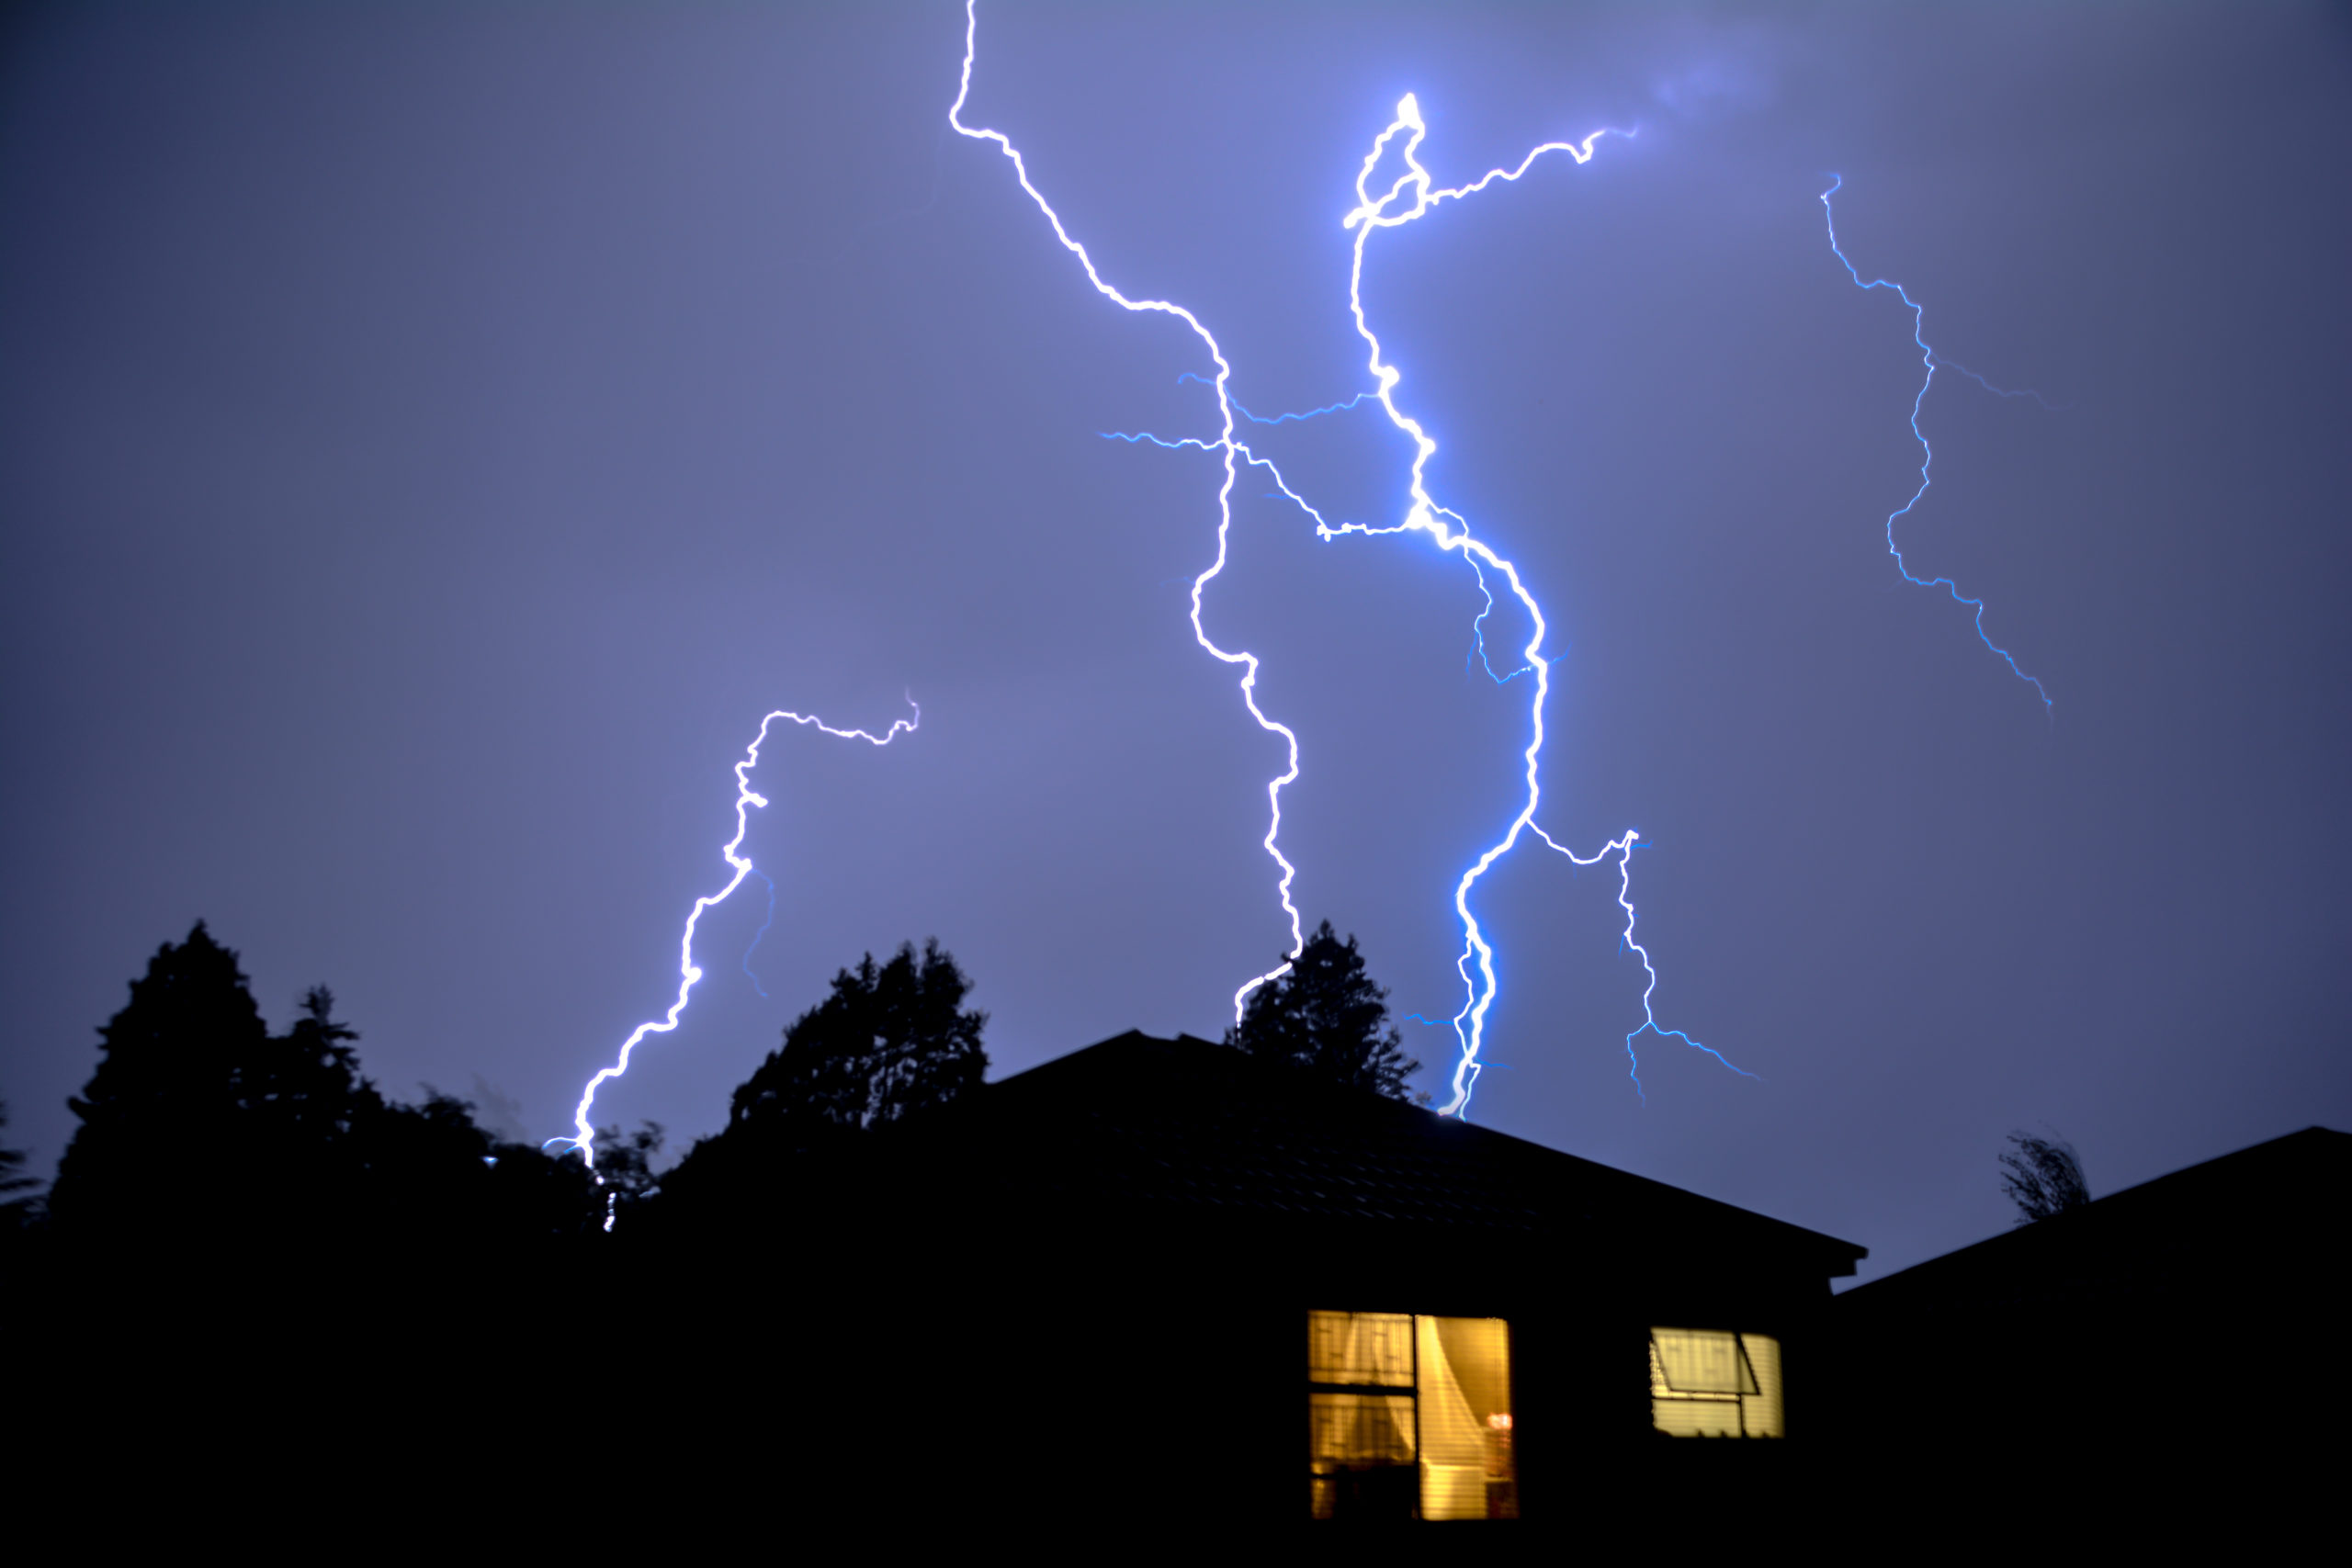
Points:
point(1710, 1384)
point(1410, 1417)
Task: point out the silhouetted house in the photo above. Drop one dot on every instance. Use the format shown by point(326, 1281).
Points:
point(1157, 1278)
point(2181, 1317)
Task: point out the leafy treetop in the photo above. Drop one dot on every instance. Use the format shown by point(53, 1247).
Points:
point(1325, 1016)
point(2042, 1177)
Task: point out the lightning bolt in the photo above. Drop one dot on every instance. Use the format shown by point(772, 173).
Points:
point(689, 971)
point(1448, 531)
point(1444, 528)
point(1284, 492)
point(1929, 358)
point(1228, 450)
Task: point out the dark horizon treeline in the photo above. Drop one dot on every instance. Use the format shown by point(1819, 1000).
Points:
point(200, 1126)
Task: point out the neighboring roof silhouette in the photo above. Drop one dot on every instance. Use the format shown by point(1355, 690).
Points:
point(2262, 1211)
point(1200, 1133)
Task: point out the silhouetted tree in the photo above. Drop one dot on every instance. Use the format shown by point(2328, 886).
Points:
point(892, 1040)
point(1325, 1017)
point(20, 1202)
point(191, 1101)
point(200, 1123)
point(435, 1179)
point(2042, 1177)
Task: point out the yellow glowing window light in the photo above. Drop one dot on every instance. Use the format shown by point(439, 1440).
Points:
point(1410, 1417)
point(1709, 1383)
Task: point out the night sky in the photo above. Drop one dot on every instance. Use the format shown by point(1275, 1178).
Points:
point(431, 438)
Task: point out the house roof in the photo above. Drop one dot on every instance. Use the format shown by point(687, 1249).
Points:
point(2270, 1209)
point(1195, 1131)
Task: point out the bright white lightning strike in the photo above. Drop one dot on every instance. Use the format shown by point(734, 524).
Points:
point(1225, 445)
point(746, 797)
point(1423, 515)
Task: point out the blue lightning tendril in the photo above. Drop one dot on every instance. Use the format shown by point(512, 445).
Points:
point(1478, 633)
point(756, 935)
point(1927, 454)
point(1280, 418)
point(1947, 363)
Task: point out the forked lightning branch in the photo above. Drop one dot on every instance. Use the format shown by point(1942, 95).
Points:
point(1393, 188)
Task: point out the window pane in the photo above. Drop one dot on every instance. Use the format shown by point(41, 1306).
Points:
point(1697, 1361)
point(1360, 1428)
point(1439, 1446)
point(1697, 1416)
point(1361, 1446)
point(1762, 1409)
point(1373, 1348)
point(1469, 1469)
point(1710, 1384)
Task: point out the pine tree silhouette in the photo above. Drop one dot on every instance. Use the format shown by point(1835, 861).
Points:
point(1326, 1017)
point(21, 1206)
point(200, 1125)
point(166, 1141)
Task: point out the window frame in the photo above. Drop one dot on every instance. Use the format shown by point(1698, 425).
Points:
point(1766, 1419)
point(1418, 1464)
